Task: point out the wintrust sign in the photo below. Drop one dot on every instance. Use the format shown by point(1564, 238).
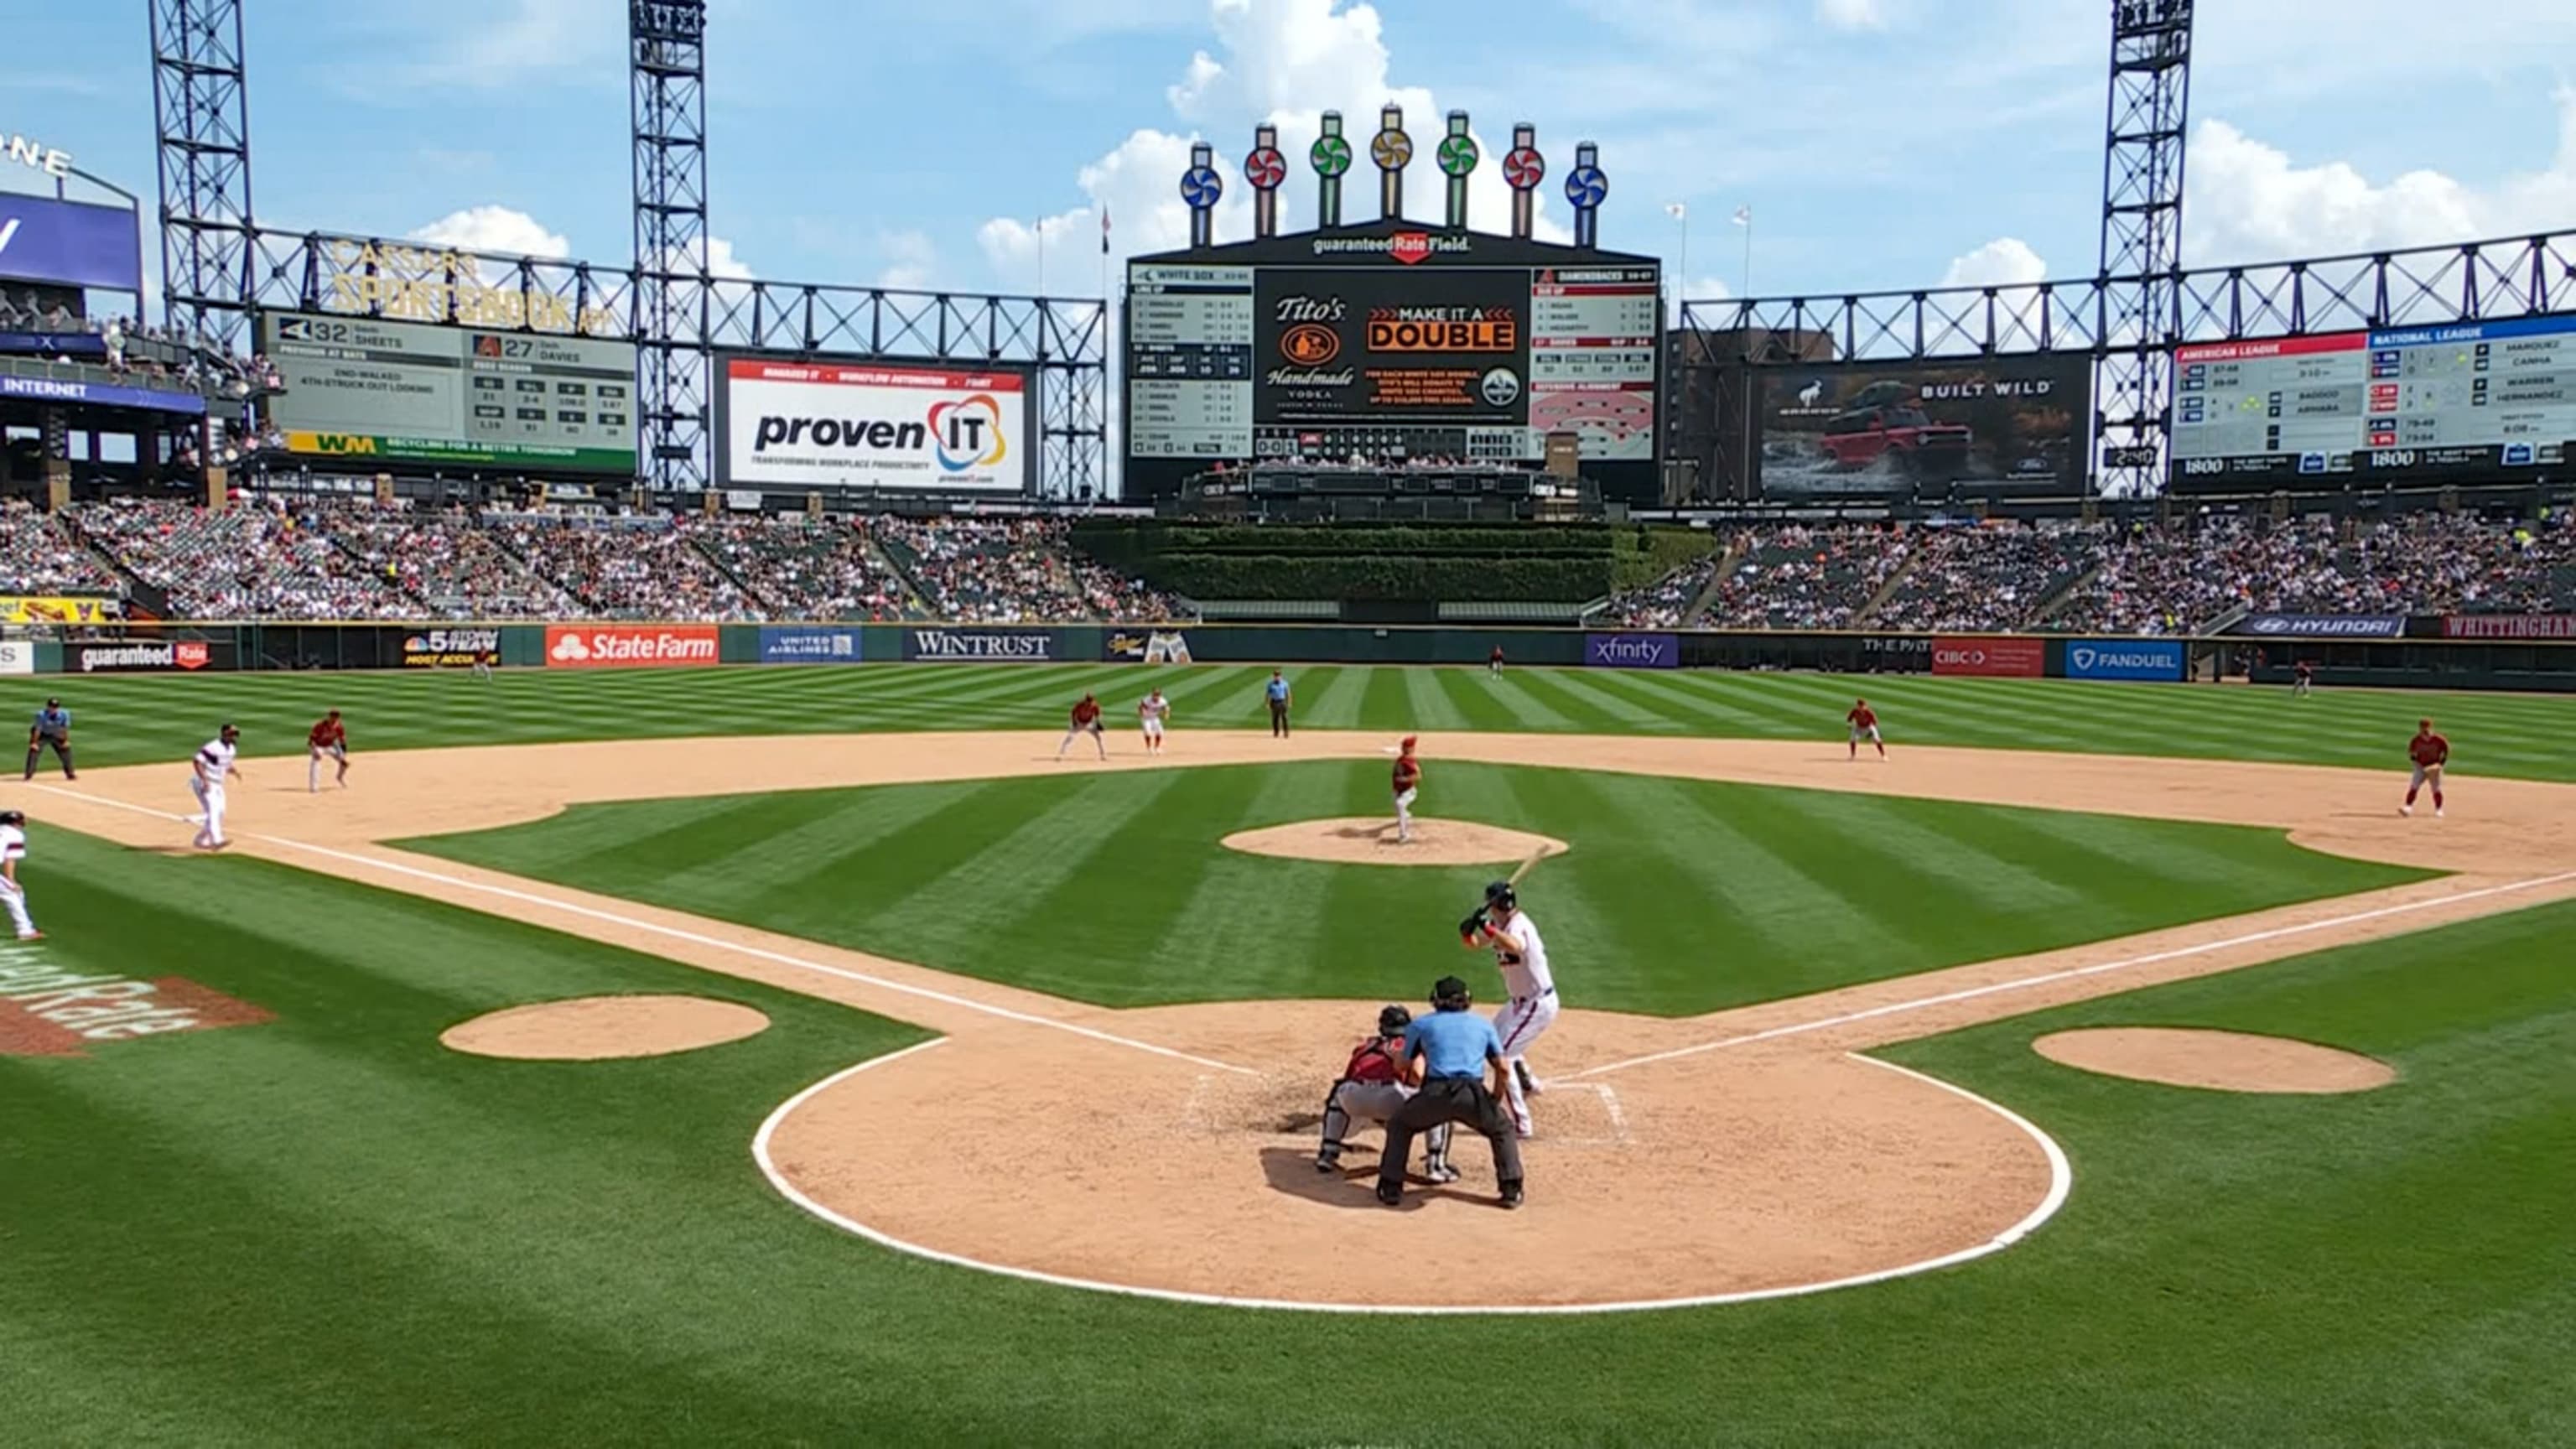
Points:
point(805, 424)
point(627, 646)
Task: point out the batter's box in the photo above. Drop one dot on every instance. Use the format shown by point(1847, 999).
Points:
point(1571, 1114)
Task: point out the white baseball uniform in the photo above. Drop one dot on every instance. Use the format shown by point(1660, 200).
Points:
point(213, 764)
point(1522, 954)
point(1150, 712)
point(13, 848)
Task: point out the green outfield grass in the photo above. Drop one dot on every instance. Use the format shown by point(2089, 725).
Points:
point(327, 1230)
point(139, 718)
point(1678, 896)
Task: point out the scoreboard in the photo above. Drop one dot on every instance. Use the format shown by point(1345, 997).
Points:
point(2426, 401)
point(360, 387)
point(1387, 361)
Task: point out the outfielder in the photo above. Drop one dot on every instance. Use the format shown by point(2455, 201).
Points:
point(1377, 1082)
point(1522, 955)
point(327, 737)
point(1085, 720)
point(13, 895)
point(1408, 784)
point(1151, 711)
point(212, 766)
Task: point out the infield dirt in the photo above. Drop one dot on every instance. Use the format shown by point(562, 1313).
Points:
point(1170, 1149)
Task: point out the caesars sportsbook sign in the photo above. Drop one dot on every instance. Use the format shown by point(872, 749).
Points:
point(873, 425)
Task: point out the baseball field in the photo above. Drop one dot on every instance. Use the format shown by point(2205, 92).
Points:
point(811, 1055)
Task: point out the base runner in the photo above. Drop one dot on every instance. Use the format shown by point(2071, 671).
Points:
point(1151, 711)
point(1375, 1083)
point(1522, 955)
point(13, 893)
point(1086, 720)
point(327, 737)
point(1864, 725)
point(211, 767)
point(1408, 784)
point(2430, 753)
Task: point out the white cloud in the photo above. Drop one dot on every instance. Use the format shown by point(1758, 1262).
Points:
point(1851, 14)
point(910, 261)
point(2007, 261)
point(496, 229)
point(2247, 200)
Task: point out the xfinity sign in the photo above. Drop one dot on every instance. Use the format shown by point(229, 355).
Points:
point(1632, 651)
point(2156, 659)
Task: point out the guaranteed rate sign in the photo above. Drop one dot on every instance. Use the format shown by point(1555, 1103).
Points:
point(873, 425)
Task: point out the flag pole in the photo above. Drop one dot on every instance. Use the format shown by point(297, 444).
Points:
point(1747, 214)
point(1041, 256)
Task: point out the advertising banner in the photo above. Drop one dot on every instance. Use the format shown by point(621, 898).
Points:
point(872, 425)
point(1632, 651)
point(2509, 626)
point(2124, 659)
point(98, 394)
point(979, 646)
point(17, 656)
point(69, 243)
point(623, 646)
point(1843, 429)
point(1145, 646)
point(781, 645)
point(1896, 653)
point(80, 345)
point(2322, 626)
point(136, 656)
point(59, 609)
point(1997, 658)
point(450, 648)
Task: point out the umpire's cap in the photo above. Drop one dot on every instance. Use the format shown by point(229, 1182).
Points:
point(1501, 896)
point(1449, 994)
point(1392, 1019)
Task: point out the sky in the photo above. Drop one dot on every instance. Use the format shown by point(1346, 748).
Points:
point(1879, 144)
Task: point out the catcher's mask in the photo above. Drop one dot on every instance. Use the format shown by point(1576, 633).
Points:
point(1390, 1020)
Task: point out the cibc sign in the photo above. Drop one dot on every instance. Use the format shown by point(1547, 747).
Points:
point(1632, 651)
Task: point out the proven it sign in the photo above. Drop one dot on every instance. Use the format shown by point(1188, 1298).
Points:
point(931, 430)
point(2154, 659)
point(625, 646)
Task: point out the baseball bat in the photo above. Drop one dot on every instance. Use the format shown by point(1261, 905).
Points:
point(1526, 866)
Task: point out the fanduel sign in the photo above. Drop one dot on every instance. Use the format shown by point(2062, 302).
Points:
point(2160, 659)
point(1632, 651)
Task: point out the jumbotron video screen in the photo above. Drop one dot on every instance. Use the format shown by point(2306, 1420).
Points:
point(1388, 347)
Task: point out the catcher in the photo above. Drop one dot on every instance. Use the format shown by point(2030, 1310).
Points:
point(1374, 1084)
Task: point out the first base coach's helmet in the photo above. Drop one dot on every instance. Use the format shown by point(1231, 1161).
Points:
point(1501, 897)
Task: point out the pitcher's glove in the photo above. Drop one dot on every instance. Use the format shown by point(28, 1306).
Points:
point(1472, 927)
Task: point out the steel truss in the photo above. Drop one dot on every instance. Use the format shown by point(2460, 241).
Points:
point(201, 122)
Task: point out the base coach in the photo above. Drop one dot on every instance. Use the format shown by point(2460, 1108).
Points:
point(1456, 1048)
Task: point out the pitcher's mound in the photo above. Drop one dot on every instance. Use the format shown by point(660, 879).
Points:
point(2226, 1061)
point(595, 1028)
point(1370, 840)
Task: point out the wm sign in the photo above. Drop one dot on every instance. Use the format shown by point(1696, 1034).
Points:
point(343, 445)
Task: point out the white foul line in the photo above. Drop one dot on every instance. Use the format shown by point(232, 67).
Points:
point(2061, 1181)
point(2023, 983)
point(692, 937)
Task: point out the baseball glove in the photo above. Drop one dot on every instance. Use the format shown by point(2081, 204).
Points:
point(1472, 927)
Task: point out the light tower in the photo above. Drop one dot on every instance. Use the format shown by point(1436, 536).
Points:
point(201, 114)
point(2141, 268)
point(667, 71)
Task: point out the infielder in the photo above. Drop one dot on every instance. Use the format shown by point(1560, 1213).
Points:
point(1864, 725)
point(1151, 711)
point(1522, 955)
point(1086, 720)
point(2429, 752)
point(1408, 784)
point(327, 737)
point(1377, 1081)
point(212, 766)
point(13, 849)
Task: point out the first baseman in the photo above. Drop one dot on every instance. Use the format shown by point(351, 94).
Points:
point(327, 737)
point(2429, 752)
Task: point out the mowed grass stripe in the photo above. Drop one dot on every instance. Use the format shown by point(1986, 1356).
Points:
point(1604, 712)
point(1507, 701)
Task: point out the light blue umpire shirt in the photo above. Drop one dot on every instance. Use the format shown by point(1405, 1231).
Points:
point(1452, 1044)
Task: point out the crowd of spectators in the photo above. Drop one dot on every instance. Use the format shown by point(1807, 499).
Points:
point(1986, 578)
point(1666, 602)
point(453, 566)
point(250, 562)
point(805, 569)
point(1802, 577)
point(625, 568)
point(38, 555)
point(1012, 571)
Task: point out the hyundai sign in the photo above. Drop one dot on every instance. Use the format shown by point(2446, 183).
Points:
point(2160, 659)
point(2322, 626)
point(1632, 651)
point(69, 243)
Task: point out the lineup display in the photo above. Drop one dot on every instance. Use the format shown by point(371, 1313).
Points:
point(356, 387)
point(1229, 363)
point(2453, 399)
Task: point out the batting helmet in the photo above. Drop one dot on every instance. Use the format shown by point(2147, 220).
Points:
point(1449, 994)
point(1501, 897)
point(1392, 1019)
point(13, 817)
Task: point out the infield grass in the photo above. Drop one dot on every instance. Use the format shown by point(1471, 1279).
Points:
point(1678, 896)
point(132, 719)
point(328, 1230)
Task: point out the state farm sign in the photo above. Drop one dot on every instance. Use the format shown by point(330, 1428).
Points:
point(622, 646)
point(2000, 657)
